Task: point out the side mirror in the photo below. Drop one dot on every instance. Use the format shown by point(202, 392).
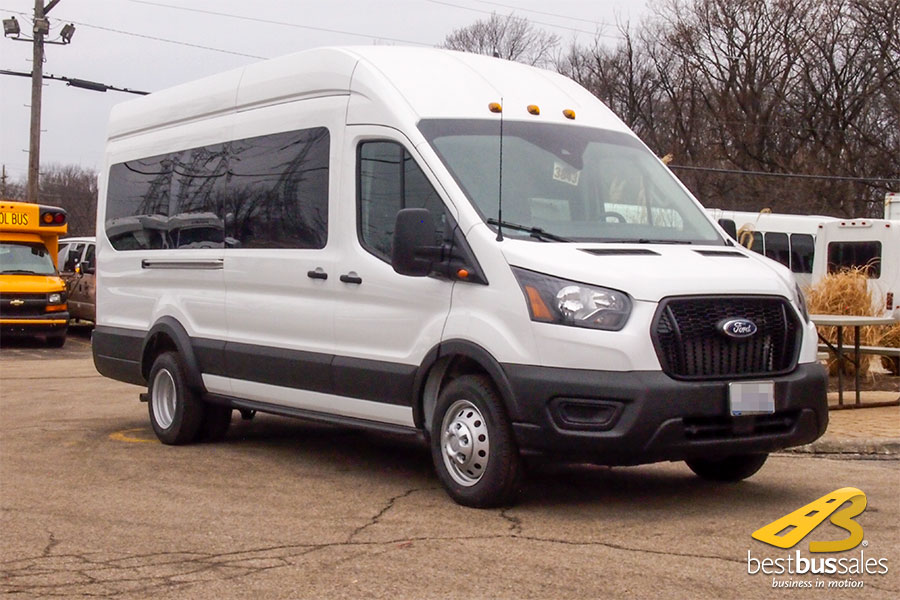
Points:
point(414, 250)
point(86, 267)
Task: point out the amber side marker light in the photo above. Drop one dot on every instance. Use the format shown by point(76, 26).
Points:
point(569, 114)
point(534, 109)
point(539, 309)
point(462, 274)
point(495, 107)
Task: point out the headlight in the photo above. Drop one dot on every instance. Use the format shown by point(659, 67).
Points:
point(552, 300)
point(55, 298)
point(801, 302)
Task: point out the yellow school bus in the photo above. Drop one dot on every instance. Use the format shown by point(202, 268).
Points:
point(32, 296)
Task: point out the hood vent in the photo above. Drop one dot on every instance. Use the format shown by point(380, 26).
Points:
point(619, 251)
point(722, 253)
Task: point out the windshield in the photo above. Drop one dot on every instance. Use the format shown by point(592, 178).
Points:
point(25, 259)
point(573, 183)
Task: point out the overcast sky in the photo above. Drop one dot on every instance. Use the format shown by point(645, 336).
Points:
point(114, 44)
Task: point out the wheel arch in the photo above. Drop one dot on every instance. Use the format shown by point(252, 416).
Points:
point(167, 334)
point(451, 359)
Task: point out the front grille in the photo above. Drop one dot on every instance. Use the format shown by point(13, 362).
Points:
point(691, 345)
point(717, 428)
point(23, 305)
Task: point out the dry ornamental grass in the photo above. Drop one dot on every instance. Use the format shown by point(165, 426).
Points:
point(845, 293)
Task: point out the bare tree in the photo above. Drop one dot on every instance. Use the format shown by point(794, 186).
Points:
point(509, 37)
point(768, 87)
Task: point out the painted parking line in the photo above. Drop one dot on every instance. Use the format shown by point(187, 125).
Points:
point(128, 435)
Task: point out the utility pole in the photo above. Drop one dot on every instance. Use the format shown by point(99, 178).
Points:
point(39, 30)
point(32, 192)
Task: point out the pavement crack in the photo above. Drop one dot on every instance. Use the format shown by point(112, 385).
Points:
point(515, 523)
point(51, 544)
point(388, 506)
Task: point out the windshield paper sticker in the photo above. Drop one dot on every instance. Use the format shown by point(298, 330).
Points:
point(565, 173)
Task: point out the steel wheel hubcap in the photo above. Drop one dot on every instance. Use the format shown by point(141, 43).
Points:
point(163, 397)
point(465, 446)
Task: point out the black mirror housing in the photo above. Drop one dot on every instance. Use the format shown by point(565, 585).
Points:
point(414, 235)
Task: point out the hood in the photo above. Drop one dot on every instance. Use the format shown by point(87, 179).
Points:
point(651, 272)
point(31, 284)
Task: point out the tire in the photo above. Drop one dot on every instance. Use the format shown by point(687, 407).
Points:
point(176, 411)
point(56, 341)
point(216, 421)
point(731, 469)
point(472, 444)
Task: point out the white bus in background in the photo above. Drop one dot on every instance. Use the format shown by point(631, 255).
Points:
point(813, 246)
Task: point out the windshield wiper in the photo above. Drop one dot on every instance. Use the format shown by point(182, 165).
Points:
point(648, 241)
point(535, 232)
point(18, 272)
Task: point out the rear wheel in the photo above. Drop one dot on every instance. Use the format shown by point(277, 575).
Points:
point(472, 444)
point(176, 411)
point(732, 468)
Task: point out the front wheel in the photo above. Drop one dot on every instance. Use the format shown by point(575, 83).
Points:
point(472, 445)
point(731, 469)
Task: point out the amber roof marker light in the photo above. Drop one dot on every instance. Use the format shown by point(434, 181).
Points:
point(533, 109)
point(495, 107)
point(569, 114)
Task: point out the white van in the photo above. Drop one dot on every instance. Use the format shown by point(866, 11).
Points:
point(374, 279)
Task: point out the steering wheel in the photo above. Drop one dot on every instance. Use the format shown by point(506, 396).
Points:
point(620, 218)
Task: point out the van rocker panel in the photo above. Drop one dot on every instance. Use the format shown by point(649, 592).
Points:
point(645, 416)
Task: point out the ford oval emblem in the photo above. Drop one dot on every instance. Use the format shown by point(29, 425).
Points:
point(738, 328)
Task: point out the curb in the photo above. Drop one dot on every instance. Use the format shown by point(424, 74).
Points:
point(877, 446)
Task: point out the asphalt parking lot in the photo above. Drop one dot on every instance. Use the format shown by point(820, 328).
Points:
point(92, 505)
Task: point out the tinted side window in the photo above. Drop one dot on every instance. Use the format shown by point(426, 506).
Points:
point(277, 192)
point(388, 180)
point(90, 254)
point(751, 239)
point(855, 255)
point(263, 192)
point(803, 247)
point(777, 248)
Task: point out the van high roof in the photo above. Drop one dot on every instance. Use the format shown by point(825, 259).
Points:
point(407, 84)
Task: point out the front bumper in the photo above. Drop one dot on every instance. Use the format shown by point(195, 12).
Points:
point(51, 324)
point(628, 418)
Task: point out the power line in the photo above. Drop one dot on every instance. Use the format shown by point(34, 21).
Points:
point(490, 12)
point(540, 12)
point(786, 175)
point(282, 23)
point(84, 84)
point(149, 37)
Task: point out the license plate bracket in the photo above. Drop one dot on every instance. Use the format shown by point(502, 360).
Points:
point(751, 398)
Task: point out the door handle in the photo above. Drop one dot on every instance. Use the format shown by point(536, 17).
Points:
point(351, 277)
point(317, 274)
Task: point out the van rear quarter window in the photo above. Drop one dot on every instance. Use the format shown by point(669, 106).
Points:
point(263, 192)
